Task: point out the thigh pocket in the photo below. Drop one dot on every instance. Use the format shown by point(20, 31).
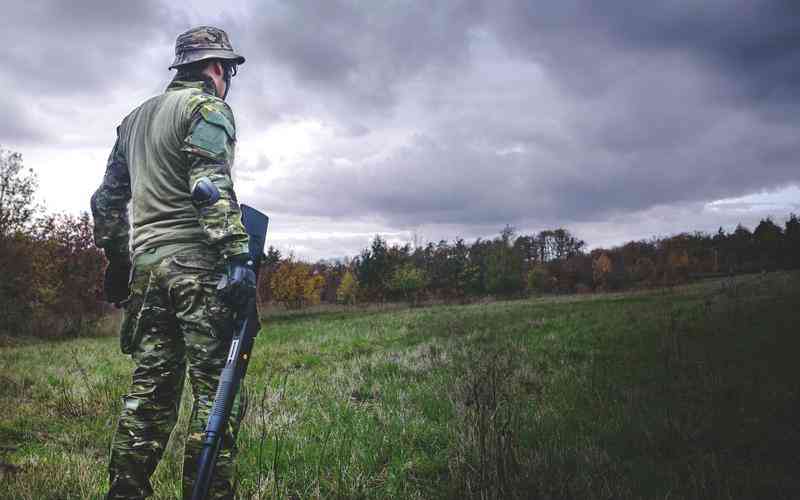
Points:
point(130, 333)
point(138, 316)
point(193, 284)
point(219, 315)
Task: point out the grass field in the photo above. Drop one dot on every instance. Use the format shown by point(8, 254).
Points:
point(685, 393)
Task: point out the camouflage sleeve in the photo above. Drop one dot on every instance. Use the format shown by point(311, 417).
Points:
point(210, 147)
point(110, 207)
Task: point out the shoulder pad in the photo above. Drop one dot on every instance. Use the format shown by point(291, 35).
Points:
point(211, 107)
point(213, 130)
point(212, 114)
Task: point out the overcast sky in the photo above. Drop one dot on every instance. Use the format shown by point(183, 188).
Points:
point(618, 120)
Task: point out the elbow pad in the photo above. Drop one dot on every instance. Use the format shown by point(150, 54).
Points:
point(204, 193)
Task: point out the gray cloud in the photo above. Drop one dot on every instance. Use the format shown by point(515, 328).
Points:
point(457, 116)
point(363, 52)
point(65, 63)
point(79, 48)
point(18, 128)
point(655, 105)
point(752, 46)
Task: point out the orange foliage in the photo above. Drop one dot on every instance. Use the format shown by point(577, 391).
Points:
point(601, 270)
point(295, 286)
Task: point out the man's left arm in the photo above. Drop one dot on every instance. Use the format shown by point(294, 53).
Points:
point(210, 148)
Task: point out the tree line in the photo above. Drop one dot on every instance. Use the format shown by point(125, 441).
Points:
point(51, 273)
point(511, 265)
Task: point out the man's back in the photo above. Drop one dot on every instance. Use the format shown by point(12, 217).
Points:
point(153, 138)
point(164, 147)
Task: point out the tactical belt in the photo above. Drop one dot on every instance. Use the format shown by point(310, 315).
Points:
point(154, 255)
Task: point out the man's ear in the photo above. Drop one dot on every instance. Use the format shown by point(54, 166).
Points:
point(217, 69)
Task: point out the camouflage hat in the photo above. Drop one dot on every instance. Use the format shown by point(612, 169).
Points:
point(201, 43)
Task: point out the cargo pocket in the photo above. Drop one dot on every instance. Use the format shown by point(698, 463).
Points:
point(130, 319)
point(199, 276)
point(220, 316)
point(132, 325)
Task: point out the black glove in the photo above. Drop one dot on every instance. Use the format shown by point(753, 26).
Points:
point(238, 285)
point(116, 281)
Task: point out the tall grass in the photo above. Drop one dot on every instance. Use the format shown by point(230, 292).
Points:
point(683, 393)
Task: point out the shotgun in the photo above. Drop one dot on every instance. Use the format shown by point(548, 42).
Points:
point(247, 326)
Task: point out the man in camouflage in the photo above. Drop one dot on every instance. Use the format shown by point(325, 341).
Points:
point(172, 161)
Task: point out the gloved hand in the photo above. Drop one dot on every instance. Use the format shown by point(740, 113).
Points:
point(116, 280)
point(238, 285)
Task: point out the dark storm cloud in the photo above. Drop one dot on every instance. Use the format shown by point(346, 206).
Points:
point(63, 60)
point(659, 104)
point(752, 46)
point(82, 47)
point(361, 52)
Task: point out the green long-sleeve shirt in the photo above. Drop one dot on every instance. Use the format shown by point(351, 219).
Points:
point(163, 147)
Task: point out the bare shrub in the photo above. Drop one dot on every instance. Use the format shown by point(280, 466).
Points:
point(484, 458)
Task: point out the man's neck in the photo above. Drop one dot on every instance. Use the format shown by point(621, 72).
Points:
point(205, 83)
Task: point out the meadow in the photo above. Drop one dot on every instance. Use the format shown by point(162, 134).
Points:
point(685, 392)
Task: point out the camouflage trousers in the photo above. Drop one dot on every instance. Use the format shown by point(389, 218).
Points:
point(173, 320)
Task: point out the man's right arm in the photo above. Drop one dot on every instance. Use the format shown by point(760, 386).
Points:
point(110, 207)
point(112, 225)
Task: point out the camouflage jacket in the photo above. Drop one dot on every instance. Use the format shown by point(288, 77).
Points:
point(163, 148)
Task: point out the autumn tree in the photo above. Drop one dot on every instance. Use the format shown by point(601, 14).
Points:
point(347, 292)
point(312, 289)
point(574, 273)
point(269, 265)
point(677, 270)
point(295, 285)
point(644, 271)
point(18, 262)
point(539, 279)
point(17, 189)
point(69, 271)
point(602, 267)
point(17, 283)
point(409, 281)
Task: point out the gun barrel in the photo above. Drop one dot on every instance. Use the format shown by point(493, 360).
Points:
point(229, 381)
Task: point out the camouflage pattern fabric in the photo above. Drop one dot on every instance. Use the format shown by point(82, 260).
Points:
point(110, 207)
point(173, 320)
point(203, 42)
point(210, 147)
point(208, 150)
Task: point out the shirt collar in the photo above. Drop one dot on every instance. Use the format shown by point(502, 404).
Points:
point(206, 86)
